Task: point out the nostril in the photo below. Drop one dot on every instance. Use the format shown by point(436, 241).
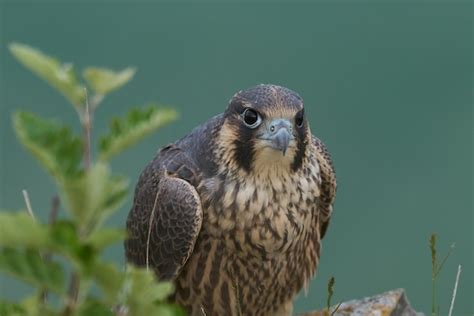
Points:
point(272, 128)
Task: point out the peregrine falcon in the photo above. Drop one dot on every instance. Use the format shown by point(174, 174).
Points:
point(234, 212)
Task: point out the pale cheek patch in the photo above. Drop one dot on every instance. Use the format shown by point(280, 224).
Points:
point(271, 163)
point(227, 136)
point(226, 147)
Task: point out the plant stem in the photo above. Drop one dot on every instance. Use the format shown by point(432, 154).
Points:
point(444, 260)
point(454, 291)
point(73, 291)
point(86, 119)
point(47, 256)
point(434, 268)
point(331, 282)
point(73, 294)
point(433, 296)
point(53, 214)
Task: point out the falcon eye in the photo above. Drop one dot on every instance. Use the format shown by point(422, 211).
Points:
point(251, 118)
point(299, 118)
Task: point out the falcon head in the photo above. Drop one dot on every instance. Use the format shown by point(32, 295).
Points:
point(265, 127)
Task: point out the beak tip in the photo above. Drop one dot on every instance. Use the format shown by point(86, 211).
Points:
point(282, 140)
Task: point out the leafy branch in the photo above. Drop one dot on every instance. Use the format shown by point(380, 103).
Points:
point(41, 253)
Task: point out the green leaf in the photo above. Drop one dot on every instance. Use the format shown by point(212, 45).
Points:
point(30, 267)
point(19, 229)
point(12, 309)
point(160, 291)
point(62, 77)
point(137, 124)
point(170, 310)
point(64, 239)
point(35, 307)
point(109, 279)
point(104, 81)
point(160, 309)
point(64, 234)
point(145, 296)
point(105, 237)
point(93, 307)
point(55, 146)
point(93, 196)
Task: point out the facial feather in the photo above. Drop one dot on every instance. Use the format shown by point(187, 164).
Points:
point(244, 148)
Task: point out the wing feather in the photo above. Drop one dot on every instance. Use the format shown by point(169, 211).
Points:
point(166, 215)
point(328, 184)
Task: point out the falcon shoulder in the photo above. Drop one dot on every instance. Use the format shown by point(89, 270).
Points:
point(328, 184)
point(166, 216)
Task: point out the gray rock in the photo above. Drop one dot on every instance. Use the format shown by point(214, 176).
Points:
point(391, 303)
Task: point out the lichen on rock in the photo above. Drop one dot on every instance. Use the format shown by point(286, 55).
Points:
point(391, 303)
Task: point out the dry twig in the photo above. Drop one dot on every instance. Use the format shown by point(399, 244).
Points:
point(455, 290)
point(26, 197)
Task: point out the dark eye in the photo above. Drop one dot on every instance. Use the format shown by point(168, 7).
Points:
point(299, 118)
point(251, 118)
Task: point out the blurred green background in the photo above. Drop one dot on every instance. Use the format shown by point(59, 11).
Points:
point(387, 85)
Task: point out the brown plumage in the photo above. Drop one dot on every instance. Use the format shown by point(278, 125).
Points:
point(234, 212)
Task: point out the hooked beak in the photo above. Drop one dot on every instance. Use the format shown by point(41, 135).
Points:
point(279, 134)
point(281, 140)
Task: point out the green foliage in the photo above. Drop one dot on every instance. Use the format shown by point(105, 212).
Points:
point(38, 253)
point(135, 125)
point(142, 302)
point(62, 77)
point(93, 307)
point(12, 309)
point(28, 307)
point(30, 267)
point(54, 145)
point(100, 239)
point(31, 233)
point(109, 279)
point(103, 81)
point(94, 195)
